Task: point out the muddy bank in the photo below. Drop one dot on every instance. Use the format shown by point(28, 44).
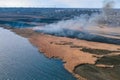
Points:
point(73, 52)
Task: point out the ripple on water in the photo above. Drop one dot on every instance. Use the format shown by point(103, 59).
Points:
point(19, 60)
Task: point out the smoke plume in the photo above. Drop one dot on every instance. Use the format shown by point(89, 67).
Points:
point(78, 26)
point(109, 16)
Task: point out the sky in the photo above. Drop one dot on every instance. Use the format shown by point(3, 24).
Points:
point(56, 3)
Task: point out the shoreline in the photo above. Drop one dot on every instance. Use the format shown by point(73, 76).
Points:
point(66, 49)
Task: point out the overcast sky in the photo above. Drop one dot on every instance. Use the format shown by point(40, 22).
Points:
point(55, 3)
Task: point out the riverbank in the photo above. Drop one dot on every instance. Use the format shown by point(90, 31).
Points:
point(73, 52)
point(23, 61)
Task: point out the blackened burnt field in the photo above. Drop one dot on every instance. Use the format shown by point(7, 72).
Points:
point(84, 36)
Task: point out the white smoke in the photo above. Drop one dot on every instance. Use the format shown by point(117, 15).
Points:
point(107, 15)
point(76, 23)
point(72, 27)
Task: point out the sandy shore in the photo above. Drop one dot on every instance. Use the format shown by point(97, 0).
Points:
point(67, 49)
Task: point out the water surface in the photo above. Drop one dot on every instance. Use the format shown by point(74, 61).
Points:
point(19, 60)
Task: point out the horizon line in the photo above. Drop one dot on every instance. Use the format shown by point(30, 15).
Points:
point(54, 7)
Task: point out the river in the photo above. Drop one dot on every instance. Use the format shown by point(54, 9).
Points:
point(20, 60)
